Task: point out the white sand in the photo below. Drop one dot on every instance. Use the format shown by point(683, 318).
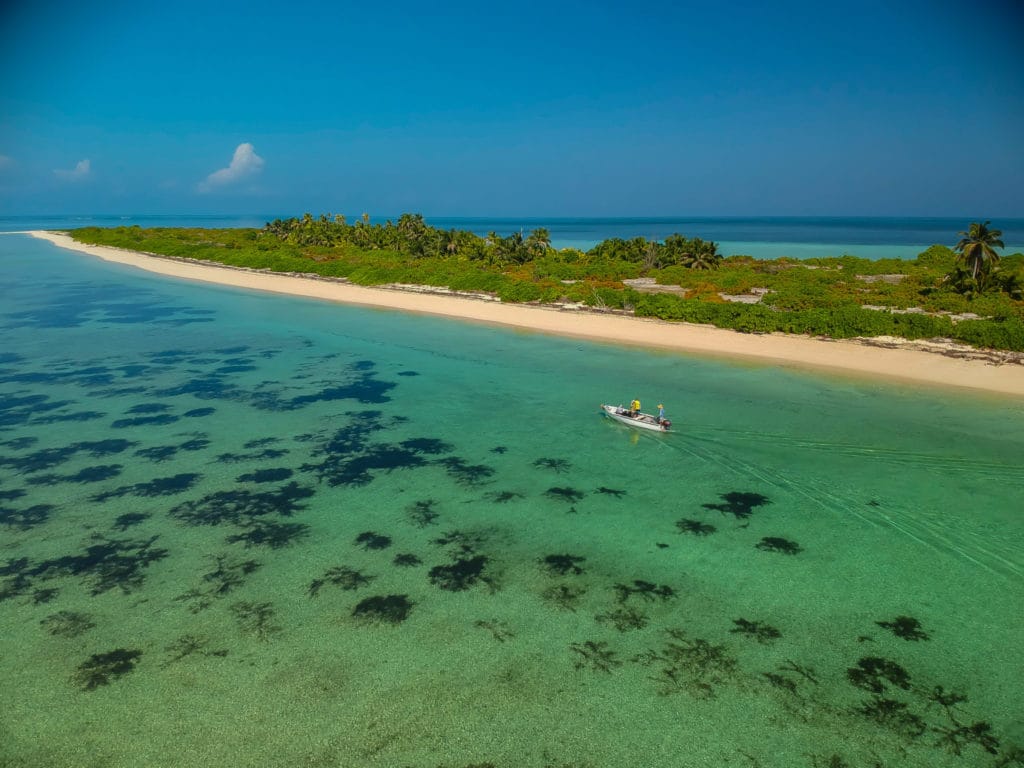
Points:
point(852, 357)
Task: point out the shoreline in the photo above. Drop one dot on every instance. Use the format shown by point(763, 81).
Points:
point(930, 363)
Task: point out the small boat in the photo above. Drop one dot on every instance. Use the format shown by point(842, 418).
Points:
point(636, 419)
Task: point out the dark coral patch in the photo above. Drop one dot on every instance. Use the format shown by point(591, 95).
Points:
point(129, 519)
point(149, 408)
point(872, 673)
point(369, 540)
point(464, 473)
point(557, 465)
point(695, 527)
point(269, 533)
point(67, 623)
point(739, 504)
point(406, 560)
point(780, 545)
point(145, 421)
point(384, 609)
point(348, 579)
point(758, 630)
point(25, 518)
point(460, 575)
point(102, 668)
point(197, 413)
point(645, 590)
point(238, 507)
point(160, 486)
point(570, 495)
point(563, 565)
point(905, 627)
point(273, 475)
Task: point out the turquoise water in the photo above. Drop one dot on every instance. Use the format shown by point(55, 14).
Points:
point(761, 237)
point(239, 529)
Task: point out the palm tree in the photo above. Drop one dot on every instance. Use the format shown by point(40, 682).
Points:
point(977, 246)
point(703, 254)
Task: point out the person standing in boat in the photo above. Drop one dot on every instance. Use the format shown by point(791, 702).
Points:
point(634, 408)
point(661, 413)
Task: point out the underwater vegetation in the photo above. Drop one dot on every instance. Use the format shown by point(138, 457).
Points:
point(129, 519)
point(695, 666)
point(739, 504)
point(905, 627)
point(266, 453)
point(160, 486)
point(87, 475)
point(872, 673)
point(623, 618)
point(384, 609)
point(500, 630)
point(611, 492)
point(104, 565)
point(349, 458)
point(406, 560)
point(595, 656)
point(461, 574)
point(269, 533)
point(160, 453)
point(228, 574)
point(564, 597)
point(369, 540)
point(48, 458)
point(763, 633)
point(25, 518)
point(198, 413)
point(67, 623)
point(570, 495)
point(695, 527)
point(894, 715)
point(503, 497)
point(427, 445)
point(563, 565)
point(780, 545)
point(645, 590)
point(145, 421)
point(469, 475)
point(256, 619)
point(348, 579)
point(273, 475)
point(188, 645)
point(557, 465)
point(242, 506)
point(102, 668)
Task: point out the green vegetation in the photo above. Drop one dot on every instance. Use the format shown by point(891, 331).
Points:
point(824, 297)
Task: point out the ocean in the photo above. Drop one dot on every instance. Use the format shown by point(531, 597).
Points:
point(250, 530)
point(760, 237)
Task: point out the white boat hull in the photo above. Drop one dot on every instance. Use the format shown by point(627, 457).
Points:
point(640, 421)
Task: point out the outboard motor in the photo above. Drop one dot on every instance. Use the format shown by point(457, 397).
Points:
point(665, 424)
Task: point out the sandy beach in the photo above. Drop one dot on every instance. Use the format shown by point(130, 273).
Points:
point(928, 363)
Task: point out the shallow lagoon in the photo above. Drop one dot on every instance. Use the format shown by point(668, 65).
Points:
point(249, 530)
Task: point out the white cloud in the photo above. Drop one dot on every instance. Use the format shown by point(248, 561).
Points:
point(244, 163)
point(79, 172)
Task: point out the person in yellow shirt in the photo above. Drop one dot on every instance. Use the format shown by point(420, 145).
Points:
point(634, 408)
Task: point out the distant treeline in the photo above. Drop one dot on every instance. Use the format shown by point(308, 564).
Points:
point(822, 297)
point(413, 236)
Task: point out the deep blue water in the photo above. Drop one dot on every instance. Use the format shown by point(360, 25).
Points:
point(762, 237)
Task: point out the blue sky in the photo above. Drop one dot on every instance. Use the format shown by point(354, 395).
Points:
point(542, 109)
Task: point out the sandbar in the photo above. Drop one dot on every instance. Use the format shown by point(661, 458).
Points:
point(928, 363)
